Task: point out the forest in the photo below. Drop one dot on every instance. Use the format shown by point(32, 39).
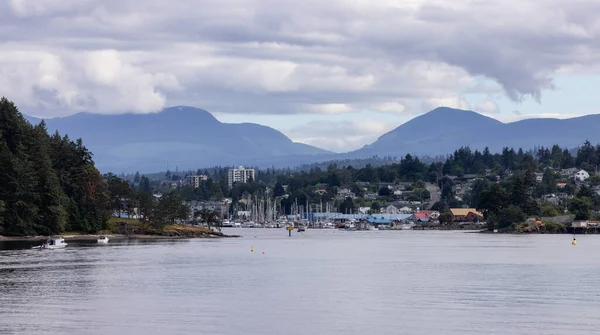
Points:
point(49, 184)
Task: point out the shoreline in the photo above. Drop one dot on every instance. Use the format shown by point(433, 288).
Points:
point(113, 237)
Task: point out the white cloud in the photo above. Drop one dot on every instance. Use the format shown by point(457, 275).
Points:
point(277, 57)
point(339, 136)
point(487, 107)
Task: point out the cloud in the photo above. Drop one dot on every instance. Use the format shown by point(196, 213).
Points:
point(339, 136)
point(487, 107)
point(277, 57)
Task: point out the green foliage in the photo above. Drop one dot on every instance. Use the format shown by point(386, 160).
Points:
point(210, 218)
point(168, 209)
point(506, 217)
point(48, 184)
point(549, 211)
point(446, 218)
point(580, 207)
point(347, 206)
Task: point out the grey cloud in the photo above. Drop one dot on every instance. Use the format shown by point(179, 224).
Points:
point(278, 56)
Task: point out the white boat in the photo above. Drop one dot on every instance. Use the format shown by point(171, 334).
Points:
point(55, 242)
point(301, 228)
point(102, 239)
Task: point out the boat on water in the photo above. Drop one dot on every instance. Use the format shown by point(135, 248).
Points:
point(301, 228)
point(54, 242)
point(102, 239)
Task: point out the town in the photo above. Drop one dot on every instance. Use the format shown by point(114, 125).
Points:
point(547, 189)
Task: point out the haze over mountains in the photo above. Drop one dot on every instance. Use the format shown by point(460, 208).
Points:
point(192, 138)
point(180, 136)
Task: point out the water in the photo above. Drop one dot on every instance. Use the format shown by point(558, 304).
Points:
point(317, 282)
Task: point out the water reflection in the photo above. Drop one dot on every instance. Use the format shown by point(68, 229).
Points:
point(321, 282)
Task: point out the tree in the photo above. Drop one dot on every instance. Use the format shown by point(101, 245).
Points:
point(446, 218)
point(580, 207)
point(48, 184)
point(119, 192)
point(168, 210)
point(347, 206)
point(384, 191)
point(375, 207)
point(507, 217)
point(210, 218)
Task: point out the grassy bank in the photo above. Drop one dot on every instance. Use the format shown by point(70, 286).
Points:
point(120, 229)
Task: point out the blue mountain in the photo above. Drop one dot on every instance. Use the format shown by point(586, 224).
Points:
point(444, 130)
point(180, 136)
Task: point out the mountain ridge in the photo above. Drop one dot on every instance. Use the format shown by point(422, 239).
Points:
point(444, 130)
point(193, 138)
point(184, 136)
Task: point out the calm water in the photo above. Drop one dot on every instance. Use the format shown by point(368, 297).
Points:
point(317, 282)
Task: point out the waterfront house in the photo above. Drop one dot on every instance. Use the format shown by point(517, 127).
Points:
point(466, 214)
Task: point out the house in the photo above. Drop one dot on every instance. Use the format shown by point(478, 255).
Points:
point(466, 214)
point(581, 175)
point(561, 185)
point(568, 172)
point(364, 210)
point(405, 209)
point(428, 214)
point(371, 196)
point(550, 198)
point(346, 193)
point(390, 209)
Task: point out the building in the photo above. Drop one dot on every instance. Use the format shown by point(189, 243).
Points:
point(195, 180)
point(466, 214)
point(240, 175)
point(582, 175)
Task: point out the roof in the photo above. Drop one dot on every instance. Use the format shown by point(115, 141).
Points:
point(378, 220)
point(464, 211)
point(421, 215)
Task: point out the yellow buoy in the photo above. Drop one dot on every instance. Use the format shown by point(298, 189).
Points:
point(574, 242)
point(252, 249)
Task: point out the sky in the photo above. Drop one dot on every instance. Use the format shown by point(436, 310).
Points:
point(336, 74)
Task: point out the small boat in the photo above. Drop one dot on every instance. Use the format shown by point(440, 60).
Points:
point(55, 242)
point(102, 239)
point(301, 228)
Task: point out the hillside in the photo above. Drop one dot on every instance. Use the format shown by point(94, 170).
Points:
point(444, 129)
point(178, 136)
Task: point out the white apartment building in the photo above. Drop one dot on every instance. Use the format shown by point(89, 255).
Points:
point(195, 180)
point(241, 175)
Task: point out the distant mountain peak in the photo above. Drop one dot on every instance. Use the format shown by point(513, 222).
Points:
point(187, 136)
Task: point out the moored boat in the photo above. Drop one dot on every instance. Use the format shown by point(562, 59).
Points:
point(54, 242)
point(102, 239)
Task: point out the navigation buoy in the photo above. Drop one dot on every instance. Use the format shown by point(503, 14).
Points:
point(574, 241)
point(252, 249)
point(263, 253)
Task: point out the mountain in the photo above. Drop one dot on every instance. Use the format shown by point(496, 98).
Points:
point(444, 130)
point(180, 136)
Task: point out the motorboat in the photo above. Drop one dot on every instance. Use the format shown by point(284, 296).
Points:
point(301, 228)
point(55, 242)
point(102, 239)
